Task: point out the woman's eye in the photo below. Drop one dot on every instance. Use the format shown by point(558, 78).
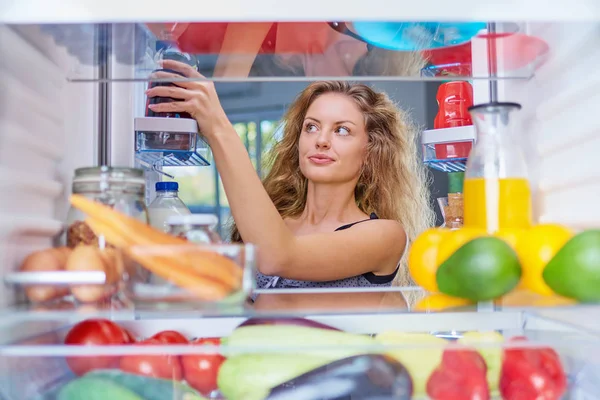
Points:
point(343, 131)
point(310, 128)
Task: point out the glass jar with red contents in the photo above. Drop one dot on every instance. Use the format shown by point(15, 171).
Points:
point(454, 100)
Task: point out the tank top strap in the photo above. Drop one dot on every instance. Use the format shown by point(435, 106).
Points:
point(372, 216)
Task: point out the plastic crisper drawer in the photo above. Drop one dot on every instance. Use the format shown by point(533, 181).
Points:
point(266, 356)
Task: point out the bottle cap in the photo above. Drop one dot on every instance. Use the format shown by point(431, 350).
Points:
point(167, 186)
point(455, 182)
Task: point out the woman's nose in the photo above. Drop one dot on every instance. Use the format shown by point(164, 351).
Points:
point(323, 141)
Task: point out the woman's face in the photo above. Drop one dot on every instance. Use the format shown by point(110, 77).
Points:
point(333, 141)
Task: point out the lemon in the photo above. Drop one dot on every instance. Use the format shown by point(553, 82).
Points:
point(440, 301)
point(456, 239)
point(511, 236)
point(422, 258)
point(535, 250)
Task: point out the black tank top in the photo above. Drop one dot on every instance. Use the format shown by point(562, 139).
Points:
point(368, 279)
point(371, 277)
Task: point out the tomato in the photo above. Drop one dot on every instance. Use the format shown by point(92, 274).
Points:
point(164, 366)
point(532, 373)
point(201, 370)
point(170, 337)
point(129, 335)
point(95, 332)
point(461, 375)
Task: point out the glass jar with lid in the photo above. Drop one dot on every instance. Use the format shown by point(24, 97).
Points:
point(196, 228)
point(120, 188)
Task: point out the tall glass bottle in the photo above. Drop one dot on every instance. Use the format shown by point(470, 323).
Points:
point(497, 193)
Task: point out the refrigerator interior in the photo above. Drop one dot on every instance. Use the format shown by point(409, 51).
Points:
point(57, 107)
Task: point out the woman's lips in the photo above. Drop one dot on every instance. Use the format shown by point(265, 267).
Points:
point(320, 160)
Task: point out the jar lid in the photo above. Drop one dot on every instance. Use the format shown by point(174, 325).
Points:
point(167, 186)
point(95, 174)
point(193, 219)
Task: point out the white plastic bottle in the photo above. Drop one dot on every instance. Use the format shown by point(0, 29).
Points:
point(166, 204)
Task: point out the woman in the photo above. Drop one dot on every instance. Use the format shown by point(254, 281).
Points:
point(345, 192)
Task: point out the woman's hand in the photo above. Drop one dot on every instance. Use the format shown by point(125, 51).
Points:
point(199, 99)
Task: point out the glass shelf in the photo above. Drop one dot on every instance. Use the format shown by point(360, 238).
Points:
point(447, 149)
point(301, 302)
point(282, 51)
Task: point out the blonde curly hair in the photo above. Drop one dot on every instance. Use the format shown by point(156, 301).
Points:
point(393, 181)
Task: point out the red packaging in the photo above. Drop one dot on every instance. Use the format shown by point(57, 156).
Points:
point(454, 100)
point(281, 38)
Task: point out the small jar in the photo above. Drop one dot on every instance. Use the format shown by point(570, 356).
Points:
point(123, 189)
point(196, 228)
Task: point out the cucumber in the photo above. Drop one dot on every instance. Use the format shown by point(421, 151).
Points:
point(252, 376)
point(297, 339)
point(148, 388)
point(95, 389)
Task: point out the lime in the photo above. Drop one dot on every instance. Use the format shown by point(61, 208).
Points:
point(574, 271)
point(482, 269)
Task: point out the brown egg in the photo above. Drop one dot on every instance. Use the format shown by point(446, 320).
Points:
point(113, 262)
point(64, 253)
point(90, 258)
point(44, 260)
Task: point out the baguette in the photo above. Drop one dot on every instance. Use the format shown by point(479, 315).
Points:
point(137, 232)
point(167, 268)
point(132, 236)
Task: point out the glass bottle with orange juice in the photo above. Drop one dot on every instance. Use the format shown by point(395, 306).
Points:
point(497, 193)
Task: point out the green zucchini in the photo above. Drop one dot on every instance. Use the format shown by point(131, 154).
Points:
point(284, 339)
point(252, 376)
point(95, 389)
point(148, 388)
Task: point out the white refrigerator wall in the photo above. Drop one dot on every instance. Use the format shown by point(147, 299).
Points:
point(47, 129)
point(560, 124)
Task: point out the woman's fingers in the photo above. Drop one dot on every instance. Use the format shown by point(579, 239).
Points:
point(173, 92)
point(174, 106)
point(187, 70)
point(173, 78)
point(179, 80)
point(166, 75)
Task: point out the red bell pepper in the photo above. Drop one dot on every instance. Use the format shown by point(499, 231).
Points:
point(460, 376)
point(532, 374)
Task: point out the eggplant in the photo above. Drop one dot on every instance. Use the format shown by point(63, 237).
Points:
point(371, 376)
point(287, 321)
